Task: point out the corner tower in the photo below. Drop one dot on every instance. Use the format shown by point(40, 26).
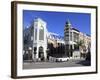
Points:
point(67, 38)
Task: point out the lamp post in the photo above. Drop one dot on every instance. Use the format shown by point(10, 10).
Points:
point(48, 54)
point(35, 54)
point(30, 52)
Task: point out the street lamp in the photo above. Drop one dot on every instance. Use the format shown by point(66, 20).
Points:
point(35, 49)
point(48, 53)
point(30, 52)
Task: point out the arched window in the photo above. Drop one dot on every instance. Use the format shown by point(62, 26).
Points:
point(41, 33)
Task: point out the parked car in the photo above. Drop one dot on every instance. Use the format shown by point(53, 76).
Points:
point(60, 59)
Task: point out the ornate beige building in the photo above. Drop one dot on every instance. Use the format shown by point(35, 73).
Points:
point(75, 41)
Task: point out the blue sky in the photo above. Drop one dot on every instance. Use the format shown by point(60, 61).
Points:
point(56, 20)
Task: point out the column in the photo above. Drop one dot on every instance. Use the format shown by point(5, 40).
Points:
point(72, 43)
point(69, 44)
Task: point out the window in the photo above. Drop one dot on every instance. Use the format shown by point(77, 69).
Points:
point(41, 33)
point(76, 37)
point(67, 38)
point(70, 36)
point(36, 34)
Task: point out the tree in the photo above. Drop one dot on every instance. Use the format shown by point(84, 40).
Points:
point(80, 44)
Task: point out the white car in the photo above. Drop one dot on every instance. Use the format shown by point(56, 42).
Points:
point(54, 59)
point(62, 59)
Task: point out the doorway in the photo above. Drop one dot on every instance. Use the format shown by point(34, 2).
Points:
point(41, 53)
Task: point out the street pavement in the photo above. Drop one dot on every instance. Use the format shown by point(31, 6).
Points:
point(70, 63)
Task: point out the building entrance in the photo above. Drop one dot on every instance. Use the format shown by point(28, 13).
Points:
point(41, 53)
